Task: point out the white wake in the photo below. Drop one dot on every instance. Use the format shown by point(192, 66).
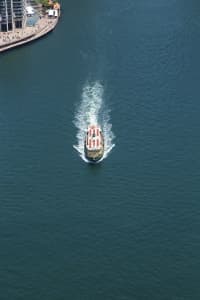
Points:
point(92, 110)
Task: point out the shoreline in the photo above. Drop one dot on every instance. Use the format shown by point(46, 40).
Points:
point(34, 34)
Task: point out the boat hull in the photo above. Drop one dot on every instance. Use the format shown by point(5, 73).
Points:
point(94, 156)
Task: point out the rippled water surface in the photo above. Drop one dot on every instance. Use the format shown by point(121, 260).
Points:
point(129, 227)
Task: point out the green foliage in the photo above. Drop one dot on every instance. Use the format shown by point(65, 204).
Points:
point(45, 3)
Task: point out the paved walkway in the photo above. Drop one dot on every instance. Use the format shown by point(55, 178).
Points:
point(21, 36)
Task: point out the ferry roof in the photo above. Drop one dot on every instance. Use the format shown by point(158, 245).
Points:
point(94, 138)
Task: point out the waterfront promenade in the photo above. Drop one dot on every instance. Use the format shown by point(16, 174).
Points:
point(18, 37)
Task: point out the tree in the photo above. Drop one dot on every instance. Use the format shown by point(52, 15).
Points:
point(45, 3)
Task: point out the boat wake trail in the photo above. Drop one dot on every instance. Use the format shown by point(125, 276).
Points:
point(92, 110)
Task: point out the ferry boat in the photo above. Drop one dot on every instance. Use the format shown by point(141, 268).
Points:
point(94, 143)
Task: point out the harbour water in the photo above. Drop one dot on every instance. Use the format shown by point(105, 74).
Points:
point(129, 227)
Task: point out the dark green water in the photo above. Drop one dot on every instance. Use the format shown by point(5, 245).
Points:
point(128, 228)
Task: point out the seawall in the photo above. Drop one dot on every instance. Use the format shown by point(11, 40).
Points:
point(44, 26)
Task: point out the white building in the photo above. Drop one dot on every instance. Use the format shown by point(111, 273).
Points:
point(30, 11)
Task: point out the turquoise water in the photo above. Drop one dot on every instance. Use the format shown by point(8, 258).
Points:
point(127, 228)
point(32, 21)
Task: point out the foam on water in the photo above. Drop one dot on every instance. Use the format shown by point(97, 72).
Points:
point(92, 110)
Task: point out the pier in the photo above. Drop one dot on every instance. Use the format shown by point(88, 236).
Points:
point(19, 37)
